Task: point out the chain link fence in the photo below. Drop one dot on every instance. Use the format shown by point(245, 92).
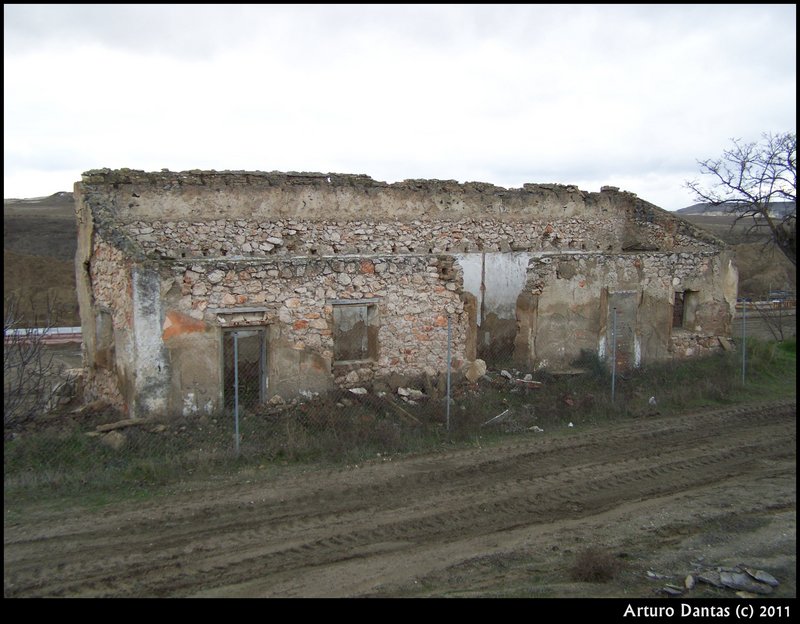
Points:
point(80, 445)
point(76, 445)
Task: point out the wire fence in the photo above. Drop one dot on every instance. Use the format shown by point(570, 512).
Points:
point(76, 445)
point(79, 445)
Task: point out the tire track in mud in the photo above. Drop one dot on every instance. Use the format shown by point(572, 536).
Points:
point(541, 505)
point(313, 520)
point(306, 546)
point(240, 536)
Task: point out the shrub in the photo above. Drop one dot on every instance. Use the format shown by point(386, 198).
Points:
point(595, 565)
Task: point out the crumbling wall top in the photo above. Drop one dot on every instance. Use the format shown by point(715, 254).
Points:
point(205, 195)
point(137, 198)
point(169, 180)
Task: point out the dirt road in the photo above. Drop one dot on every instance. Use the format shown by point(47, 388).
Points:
point(664, 495)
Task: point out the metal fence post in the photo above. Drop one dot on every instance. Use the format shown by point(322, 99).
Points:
point(744, 338)
point(614, 356)
point(449, 338)
point(236, 390)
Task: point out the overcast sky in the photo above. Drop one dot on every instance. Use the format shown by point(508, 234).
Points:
point(624, 95)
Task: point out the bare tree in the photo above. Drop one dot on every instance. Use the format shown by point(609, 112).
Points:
point(28, 367)
point(751, 180)
point(772, 316)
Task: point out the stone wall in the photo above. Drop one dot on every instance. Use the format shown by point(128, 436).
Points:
point(170, 262)
point(575, 296)
point(179, 196)
point(211, 213)
point(110, 360)
point(414, 296)
point(243, 238)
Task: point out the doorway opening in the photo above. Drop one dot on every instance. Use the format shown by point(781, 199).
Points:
point(244, 357)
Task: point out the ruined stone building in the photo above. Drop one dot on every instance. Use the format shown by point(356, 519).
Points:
point(340, 280)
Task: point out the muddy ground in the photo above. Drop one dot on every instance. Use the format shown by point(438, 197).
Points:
point(662, 497)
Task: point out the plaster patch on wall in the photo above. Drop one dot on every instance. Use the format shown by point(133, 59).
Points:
point(150, 392)
point(176, 324)
point(503, 276)
point(471, 267)
point(189, 404)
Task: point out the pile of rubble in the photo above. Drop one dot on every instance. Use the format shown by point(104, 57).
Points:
point(475, 370)
point(746, 581)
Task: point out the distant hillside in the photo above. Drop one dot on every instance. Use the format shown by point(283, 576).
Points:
point(40, 282)
point(58, 204)
point(42, 226)
point(39, 243)
point(762, 266)
point(779, 209)
point(55, 197)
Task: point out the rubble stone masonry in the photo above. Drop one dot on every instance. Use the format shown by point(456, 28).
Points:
point(281, 250)
point(415, 296)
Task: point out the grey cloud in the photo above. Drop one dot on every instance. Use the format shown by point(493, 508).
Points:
point(187, 31)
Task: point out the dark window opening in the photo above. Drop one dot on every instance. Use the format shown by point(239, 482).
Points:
point(684, 311)
point(677, 310)
point(355, 332)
